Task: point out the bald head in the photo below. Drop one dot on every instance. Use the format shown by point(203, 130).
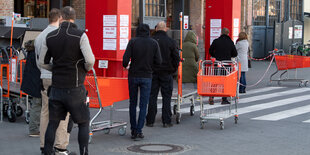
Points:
point(161, 26)
point(225, 31)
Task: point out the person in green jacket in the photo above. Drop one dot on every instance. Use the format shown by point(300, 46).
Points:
point(190, 55)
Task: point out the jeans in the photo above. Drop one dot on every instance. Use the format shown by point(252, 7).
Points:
point(34, 120)
point(165, 84)
point(243, 82)
point(144, 84)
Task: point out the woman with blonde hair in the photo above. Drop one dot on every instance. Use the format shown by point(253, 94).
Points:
point(242, 46)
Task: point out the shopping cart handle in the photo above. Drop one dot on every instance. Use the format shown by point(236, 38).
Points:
point(213, 60)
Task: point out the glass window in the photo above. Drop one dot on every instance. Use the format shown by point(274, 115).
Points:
point(259, 15)
point(275, 11)
point(36, 8)
point(296, 9)
point(155, 8)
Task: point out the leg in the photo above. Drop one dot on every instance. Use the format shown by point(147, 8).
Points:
point(34, 123)
point(83, 137)
point(50, 136)
point(166, 83)
point(62, 135)
point(243, 83)
point(133, 95)
point(145, 90)
point(152, 107)
point(44, 111)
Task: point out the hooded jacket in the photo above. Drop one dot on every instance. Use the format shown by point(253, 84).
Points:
point(169, 53)
point(223, 48)
point(190, 55)
point(143, 52)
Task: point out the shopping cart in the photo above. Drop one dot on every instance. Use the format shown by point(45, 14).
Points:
point(218, 79)
point(94, 100)
point(288, 63)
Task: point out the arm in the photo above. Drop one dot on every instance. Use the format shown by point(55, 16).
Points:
point(127, 54)
point(175, 55)
point(234, 52)
point(157, 57)
point(212, 48)
point(45, 57)
point(196, 54)
point(87, 52)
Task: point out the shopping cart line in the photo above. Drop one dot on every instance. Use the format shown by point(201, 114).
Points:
point(253, 98)
point(284, 114)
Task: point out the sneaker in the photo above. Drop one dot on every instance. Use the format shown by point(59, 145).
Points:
point(63, 152)
point(167, 125)
point(34, 134)
point(140, 135)
point(149, 125)
point(225, 102)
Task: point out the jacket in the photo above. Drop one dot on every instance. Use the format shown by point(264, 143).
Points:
point(143, 52)
point(31, 83)
point(45, 74)
point(190, 55)
point(71, 56)
point(169, 54)
point(223, 48)
point(242, 49)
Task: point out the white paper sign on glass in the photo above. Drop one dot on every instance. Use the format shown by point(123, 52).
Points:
point(109, 32)
point(109, 44)
point(109, 20)
point(298, 32)
point(215, 22)
point(185, 22)
point(236, 22)
point(124, 20)
point(236, 32)
point(290, 32)
point(124, 32)
point(123, 44)
point(215, 31)
point(103, 64)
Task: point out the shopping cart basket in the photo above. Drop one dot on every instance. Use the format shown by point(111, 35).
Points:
point(95, 101)
point(220, 79)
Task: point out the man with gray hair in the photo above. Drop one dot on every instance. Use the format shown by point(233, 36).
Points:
point(162, 76)
point(222, 48)
point(72, 58)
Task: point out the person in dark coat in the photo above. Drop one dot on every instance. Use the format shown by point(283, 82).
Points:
point(141, 54)
point(190, 55)
point(222, 48)
point(162, 76)
point(32, 85)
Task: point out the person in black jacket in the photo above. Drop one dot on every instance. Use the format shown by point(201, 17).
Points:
point(162, 77)
point(32, 85)
point(222, 48)
point(141, 54)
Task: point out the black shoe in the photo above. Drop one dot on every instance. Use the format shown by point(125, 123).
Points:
point(133, 134)
point(167, 125)
point(149, 124)
point(225, 102)
point(140, 135)
point(241, 91)
point(63, 152)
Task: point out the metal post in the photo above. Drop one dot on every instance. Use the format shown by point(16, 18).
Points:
point(141, 11)
point(267, 24)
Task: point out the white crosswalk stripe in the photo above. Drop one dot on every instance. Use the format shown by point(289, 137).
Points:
point(260, 97)
point(285, 114)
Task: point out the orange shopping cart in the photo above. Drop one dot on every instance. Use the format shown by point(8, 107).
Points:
point(94, 100)
point(218, 79)
point(288, 63)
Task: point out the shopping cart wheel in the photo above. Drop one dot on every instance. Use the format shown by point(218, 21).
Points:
point(178, 118)
point(106, 131)
point(306, 84)
point(236, 119)
point(122, 131)
point(19, 111)
point(192, 110)
point(222, 125)
point(279, 83)
point(11, 115)
point(27, 116)
point(202, 125)
point(174, 109)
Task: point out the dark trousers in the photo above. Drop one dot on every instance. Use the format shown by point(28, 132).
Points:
point(61, 101)
point(145, 88)
point(242, 81)
point(165, 84)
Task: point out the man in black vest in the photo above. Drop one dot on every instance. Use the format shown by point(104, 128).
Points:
point(162, 76)
point(72, 58)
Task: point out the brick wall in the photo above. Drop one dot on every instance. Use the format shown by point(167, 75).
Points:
point(79, 6)
point(7, 7)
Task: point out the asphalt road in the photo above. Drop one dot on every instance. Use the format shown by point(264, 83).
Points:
point(273, 120)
